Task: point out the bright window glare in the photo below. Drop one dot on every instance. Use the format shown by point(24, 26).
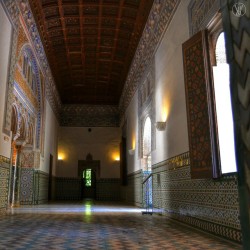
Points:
point(224, 109)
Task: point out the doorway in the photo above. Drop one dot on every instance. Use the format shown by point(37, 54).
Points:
point(88, 183)
point(89, 172)
point(147, 184)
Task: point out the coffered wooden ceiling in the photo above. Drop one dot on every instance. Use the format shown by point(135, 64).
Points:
point(90, 45)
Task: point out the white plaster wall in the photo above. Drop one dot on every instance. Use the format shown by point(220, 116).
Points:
point(133, 161)
point(169, 92)
point(5, 43)
point(50, 140)
point(75, 143)
point(170, 88)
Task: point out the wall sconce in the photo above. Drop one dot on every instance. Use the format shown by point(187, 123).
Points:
point(61, 156)
point(131, 151)
point(117, 163)
point(116, 156)
point(160, 126)
point(59, 162)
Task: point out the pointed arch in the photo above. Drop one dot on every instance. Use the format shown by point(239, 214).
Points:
point(37, 88)
point(147, 144)
point(147, 137)
point(14, 122)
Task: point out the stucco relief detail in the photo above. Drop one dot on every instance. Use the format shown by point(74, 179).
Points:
point(89, 116)
point(158, 21)
point(21, 8)
point(201, 13)
point(27, 160)
point(22, 83)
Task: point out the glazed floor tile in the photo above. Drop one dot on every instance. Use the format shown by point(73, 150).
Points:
point(95, 225)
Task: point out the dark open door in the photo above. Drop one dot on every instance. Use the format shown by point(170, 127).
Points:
point(89, 183)
point(88, 171)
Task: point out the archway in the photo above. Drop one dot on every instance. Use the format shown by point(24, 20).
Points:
point(146, 145)
point(18, 128)
point(147, 187)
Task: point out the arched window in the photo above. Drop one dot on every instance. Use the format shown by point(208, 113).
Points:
point(147, 145)
point(223, 108)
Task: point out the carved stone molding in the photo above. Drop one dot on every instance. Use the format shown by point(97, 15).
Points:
point(200, 14)
point(89, 116)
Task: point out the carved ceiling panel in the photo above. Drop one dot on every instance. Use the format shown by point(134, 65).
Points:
point(90, 45)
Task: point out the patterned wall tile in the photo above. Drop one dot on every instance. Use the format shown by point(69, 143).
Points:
point(33, 186)
point(4, 182)
point(26, 186)
point(108, 189)
point(133, 191)
point(68, 188)
point(41, 187)
point(211, 205)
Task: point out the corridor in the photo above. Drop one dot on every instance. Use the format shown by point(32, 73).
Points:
point(98, 225)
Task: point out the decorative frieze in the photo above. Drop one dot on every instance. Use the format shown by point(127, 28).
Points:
point(200, 14)
point(89, 116)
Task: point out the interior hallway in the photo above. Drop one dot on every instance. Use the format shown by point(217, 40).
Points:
point(96, 225)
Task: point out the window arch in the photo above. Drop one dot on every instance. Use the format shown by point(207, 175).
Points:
point(146, 145)
point(222, 96)
point(208, 142)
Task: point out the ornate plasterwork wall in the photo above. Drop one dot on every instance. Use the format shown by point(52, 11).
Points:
point(19, 11)
point(159, 18)
point(200, 14)
point(89, 116)
point(12, 11)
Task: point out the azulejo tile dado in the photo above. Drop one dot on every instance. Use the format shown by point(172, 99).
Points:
point(4, 182)
point(211, 205)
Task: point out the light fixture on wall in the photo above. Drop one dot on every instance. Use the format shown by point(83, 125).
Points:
point(160, 126)
point(60, 159)
point(131, 151)
point(116, 159)
point(116, 156)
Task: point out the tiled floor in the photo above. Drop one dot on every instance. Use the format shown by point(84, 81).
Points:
point(91, 225)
